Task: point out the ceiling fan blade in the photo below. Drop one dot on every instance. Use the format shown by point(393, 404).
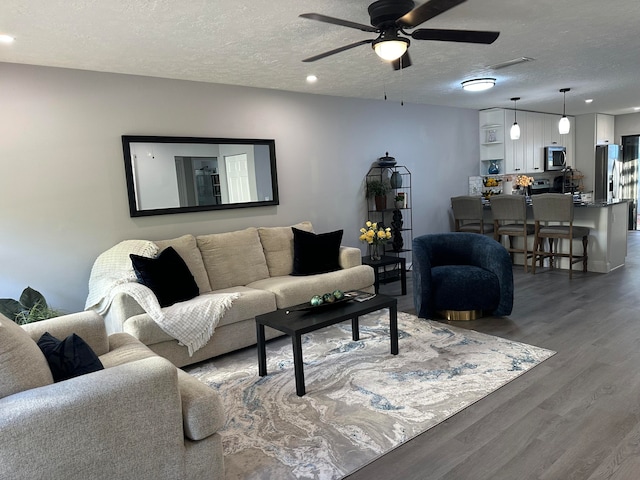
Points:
point(467, 36)
point(403, 62)
point(338, 21)
point(426, 11)
point(337, 50)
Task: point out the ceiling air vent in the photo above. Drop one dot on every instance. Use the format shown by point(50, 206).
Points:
point(509, 63)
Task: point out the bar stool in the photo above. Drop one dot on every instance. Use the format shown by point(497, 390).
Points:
point(510, 219)
point(557, 208)
point(468, 215)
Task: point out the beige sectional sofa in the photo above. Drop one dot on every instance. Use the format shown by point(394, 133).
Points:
point(139, 418)
point(255, 263)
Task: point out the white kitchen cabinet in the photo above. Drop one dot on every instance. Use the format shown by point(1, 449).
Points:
point(604, 129)
point(525, 155)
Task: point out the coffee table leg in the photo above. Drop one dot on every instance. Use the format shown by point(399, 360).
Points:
point(393, 328)
point(298, 365)
point(355, 328)
point(262, 353)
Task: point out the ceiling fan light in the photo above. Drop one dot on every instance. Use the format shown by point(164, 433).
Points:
point(515, 131)
point(391, 49)
point(478, 84)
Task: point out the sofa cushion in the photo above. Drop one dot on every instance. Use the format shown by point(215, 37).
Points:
point(22, 364)
point(167, 276)
point(68, 358)
point(187, 248)
point(234, 258)
point(290, 290)
point(277, 243)
point(314, 253)
point(252, 302)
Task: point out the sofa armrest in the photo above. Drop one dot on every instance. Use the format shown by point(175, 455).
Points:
point(88, 325)
point(122, 308)
point(123, 422)
point(349, 257)
point(202, 410)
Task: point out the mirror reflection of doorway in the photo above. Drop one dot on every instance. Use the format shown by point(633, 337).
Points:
point(238, 184)
point(198, 181)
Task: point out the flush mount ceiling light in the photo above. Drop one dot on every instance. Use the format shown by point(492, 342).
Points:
point(515, 128)
point(478, 84)
point(389, 46)
point(6, 38)
point(312, 79)
point(564, 126)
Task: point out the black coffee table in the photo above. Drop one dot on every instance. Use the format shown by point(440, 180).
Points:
point(295, 323)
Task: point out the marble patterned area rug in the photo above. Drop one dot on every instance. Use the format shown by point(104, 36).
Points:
point(361, 401)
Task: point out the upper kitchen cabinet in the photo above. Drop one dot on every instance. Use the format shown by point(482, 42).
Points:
point(592, 129)
point(525, 155)
point(604, 129)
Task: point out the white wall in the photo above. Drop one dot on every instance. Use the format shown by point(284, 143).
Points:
point(627, 125)
point(62, 185)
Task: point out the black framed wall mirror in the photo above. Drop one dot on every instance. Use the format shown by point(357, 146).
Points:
point(193, 174)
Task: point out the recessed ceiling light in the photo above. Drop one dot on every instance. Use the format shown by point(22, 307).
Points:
point(312, 79)
point(588, 100)
point(6, 38)
point(478, 84)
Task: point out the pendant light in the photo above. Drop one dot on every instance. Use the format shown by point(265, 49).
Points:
point(515, 128)
point(564, 125)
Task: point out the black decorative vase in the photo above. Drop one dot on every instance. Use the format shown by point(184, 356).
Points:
point(396, 231)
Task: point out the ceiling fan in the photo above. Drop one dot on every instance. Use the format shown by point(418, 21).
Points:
point(390, 18)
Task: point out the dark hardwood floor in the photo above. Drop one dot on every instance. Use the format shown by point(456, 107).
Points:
point(575, 416)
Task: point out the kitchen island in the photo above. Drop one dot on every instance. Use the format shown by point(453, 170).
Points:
point(608, 224)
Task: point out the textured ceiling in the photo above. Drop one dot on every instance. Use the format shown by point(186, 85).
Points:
point(590, 46)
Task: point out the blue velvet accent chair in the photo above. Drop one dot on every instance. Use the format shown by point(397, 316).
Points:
point(461, 272)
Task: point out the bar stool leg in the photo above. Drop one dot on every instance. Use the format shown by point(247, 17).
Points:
point(585, 243)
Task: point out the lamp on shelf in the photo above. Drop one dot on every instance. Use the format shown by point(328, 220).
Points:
point(564, 126)
point(515, 128)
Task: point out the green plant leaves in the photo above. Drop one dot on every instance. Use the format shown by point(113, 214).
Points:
point(32, 307)
point(30, 298)
point(10, 308)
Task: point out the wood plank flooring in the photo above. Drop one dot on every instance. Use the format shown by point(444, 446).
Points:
point(574, 417)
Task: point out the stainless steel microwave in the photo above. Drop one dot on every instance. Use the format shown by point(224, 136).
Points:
point(555, 157)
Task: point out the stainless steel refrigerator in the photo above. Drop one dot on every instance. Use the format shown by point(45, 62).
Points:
point(609, 179)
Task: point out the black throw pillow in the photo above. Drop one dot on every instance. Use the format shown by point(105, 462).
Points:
point(68, 358)
point(315, 253)
point(167, 276)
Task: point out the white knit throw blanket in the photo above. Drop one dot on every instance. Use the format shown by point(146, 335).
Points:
point(192, 323)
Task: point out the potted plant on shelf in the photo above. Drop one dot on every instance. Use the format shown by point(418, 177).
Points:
point(378, 190)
